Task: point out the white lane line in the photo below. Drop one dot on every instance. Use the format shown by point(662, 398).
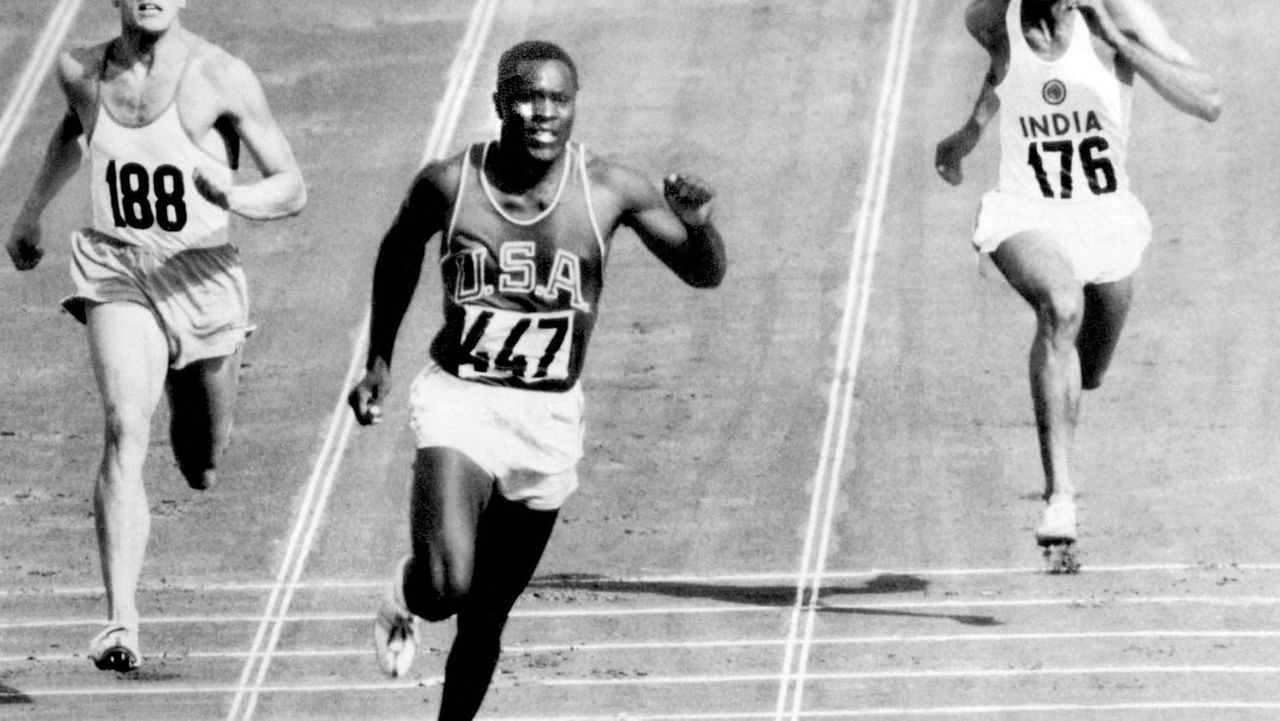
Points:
point(28, 88)
point(730, 644)
point(460, 73)
point(885, 607)
point(366, 585)
point(670, 680)
point(849, 350)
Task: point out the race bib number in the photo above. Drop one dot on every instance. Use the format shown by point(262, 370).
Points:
point(1099, 173)
point(501, 344)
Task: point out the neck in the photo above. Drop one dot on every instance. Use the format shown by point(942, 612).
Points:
point(136, 47)
point(514, 171)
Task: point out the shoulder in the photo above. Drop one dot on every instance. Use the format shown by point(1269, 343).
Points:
point(79, 67)
point(984, 19)
point(217, 71)
point(438, 179)
point(633, 190)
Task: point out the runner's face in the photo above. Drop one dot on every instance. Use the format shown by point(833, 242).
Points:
point(537, 107)
point(152, 17)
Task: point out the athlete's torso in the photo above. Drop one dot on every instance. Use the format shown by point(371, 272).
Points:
point(520, 295)
point(142, 187)
point(1064, 123)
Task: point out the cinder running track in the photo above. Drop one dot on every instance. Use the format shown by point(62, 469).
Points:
point(808, 494)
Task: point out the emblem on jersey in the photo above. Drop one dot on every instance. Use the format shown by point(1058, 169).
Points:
point(1054, 92)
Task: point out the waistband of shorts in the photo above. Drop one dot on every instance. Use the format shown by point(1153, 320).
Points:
point(97, 236)
point(1085, 201)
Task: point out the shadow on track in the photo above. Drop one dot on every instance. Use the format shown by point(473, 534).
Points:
point(11, 696)
point(780, 596)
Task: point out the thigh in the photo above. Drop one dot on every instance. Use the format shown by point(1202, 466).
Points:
point(202, 394)
point(511, 540)
point(130, 357)
point(1037, 266)
point(449, 495)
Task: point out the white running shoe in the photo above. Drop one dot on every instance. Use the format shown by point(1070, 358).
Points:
point(1058, 525)
point(395, 630)
point(115, 648)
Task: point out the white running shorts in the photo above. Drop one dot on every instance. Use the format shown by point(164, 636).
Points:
point(531, 441)
point(1104, 237)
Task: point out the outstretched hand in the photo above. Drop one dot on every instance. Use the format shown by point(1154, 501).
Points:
point(1099, 18)
point(211, 190)
point(365, 397)
point(689, 198)
point(24, 245)
point(950, 154)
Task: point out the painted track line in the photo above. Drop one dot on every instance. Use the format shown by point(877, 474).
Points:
point(588, 647)
point(849, 349)
point(28, 88)
point(726, 609)
point(460, 73)
point(364, 585)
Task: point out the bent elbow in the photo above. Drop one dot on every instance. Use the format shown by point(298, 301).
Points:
point(298, 200)
point(1211, 109)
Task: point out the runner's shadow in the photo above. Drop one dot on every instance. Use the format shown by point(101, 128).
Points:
point(781, 596)
point(10, 696)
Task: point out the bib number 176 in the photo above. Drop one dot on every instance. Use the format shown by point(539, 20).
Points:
point(1098, 170)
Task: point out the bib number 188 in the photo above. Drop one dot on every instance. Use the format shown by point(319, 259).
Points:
point(131, 189)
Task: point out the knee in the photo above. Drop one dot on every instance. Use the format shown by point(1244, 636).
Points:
point(126, 429)
point(1060, 313)
point(434, 590)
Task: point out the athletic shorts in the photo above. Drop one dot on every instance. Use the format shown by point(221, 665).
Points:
point(530, 441)
point(199, 296)
point(1104, 237)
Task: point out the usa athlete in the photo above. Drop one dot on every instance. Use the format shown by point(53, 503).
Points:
point(526, 224)
point(1062, 226)
point(158, 286)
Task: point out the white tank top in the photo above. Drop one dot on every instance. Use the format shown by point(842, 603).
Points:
point(1064, 124)
point(142, 187)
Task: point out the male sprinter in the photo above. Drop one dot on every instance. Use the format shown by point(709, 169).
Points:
point(1062, 225)
point(525, 225)
point(159, 287)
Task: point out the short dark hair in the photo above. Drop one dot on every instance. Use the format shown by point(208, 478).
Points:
point(535, 50)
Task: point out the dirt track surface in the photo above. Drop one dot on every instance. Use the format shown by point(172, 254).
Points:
point(670, 588)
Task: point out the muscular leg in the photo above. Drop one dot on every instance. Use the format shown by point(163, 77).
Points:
point(509, 545)
point(201, 399)
point(473, 553)
point(130, 360)
point(1036, 267)
point(1106, 305)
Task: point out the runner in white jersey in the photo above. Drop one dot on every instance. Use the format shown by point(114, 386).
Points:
point(158, 286)
point(1062, 225)
point(525, 226)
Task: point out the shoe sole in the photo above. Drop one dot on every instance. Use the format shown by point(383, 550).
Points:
point(117, 658)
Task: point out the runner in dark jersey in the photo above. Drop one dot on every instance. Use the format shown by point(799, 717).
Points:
point(525, 225)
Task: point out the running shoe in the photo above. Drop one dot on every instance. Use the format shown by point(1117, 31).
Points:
point(115, 648)
point(1059, 523)
point(395, 629)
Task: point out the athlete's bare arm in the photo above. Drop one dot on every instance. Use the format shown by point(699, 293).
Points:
point(1141, 41)
point(61, 158)
point(423, 214)
point(281, 191)
point(985, 21)
point(675, 226)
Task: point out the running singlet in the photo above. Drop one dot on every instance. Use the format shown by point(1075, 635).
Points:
point(1064, 124)
point(142, 188)
point(520, 294)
